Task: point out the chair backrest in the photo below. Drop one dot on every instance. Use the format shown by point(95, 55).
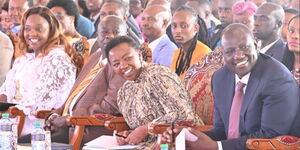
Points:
point(280, 143)
point(16, 41)
point(198, 82)
point(146, 52)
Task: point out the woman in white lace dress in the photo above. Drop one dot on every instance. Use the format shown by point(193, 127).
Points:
point(42, 78)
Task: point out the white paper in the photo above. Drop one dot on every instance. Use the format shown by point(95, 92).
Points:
point(184, 135)
point(106, 142)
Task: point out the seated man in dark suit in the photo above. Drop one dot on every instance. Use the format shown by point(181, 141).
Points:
point(268, 21)
point(255, 96)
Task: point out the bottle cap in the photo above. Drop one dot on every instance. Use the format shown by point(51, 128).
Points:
point(164, 146)
point(37, 124)
point(5, 115)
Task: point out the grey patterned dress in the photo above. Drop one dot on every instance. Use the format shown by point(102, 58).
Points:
point(157, 95)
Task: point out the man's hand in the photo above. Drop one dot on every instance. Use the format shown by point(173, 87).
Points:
point(167, 135)
point(55, 122)
point(121, 140)
point(137, 135)
point(203, 143)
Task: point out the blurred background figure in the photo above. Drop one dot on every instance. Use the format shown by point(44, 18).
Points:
point(67, 14)
point(214, 8)
point(176, 4)
point(40, 2)
point(243, 12)
point(83, 9)
point(268, 21)
point(204, 10)
point(135, 8)
point(94, 7)
point(292, 56)
point(16, 9)
point(258, 2)
point(288, 14)
point(5, 22)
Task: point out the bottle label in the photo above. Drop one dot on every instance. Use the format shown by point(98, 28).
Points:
point(5, 127)
point(38, 137)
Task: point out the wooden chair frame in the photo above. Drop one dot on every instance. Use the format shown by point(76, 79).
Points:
point(272, 144)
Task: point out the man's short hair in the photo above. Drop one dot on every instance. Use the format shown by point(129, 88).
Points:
point(236, 26)
point(188, 9)
point(202, 2)
point(68, 5)
point(121, 4)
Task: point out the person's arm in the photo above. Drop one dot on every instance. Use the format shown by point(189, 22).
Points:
point(6, 55)
point(173, 97)
point(111, 83)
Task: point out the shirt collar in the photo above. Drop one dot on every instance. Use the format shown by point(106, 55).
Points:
point(154, 43)
point(94, 18)
point(244, 79)
point(266, 48)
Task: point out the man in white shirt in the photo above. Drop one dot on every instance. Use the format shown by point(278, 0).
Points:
point(155, 20)
point(268, 21)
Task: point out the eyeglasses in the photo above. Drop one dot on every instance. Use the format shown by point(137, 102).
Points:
point(232, 51)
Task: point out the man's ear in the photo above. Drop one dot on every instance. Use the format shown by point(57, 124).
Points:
point(196, 27)
point(279, 24)
point(207, 14)
point(165, 23)
point(125, 18)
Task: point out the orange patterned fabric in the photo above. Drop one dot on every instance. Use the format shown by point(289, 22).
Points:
point(201, 95)
point(198, 83)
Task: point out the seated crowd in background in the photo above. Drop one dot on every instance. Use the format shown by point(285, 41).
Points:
point(130, 57)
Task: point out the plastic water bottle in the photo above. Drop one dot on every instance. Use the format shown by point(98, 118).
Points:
point(7, 138)
point(40, 139)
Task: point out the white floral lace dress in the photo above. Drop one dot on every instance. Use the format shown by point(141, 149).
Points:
point(39, 83)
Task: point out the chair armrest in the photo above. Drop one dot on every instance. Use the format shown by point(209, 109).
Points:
point(161, 128)
point(204, 128)
point(84, 121)
point(42, 114)
point(116, 123)
point(280, 142)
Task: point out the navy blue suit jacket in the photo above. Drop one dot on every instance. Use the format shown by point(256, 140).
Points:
point(269, 108)
point(163, 52)
point(277, 50)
